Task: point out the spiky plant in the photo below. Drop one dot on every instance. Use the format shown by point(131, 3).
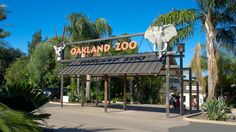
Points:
point(215, 109)
point(23, 97)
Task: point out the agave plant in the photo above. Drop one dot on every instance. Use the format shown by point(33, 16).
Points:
point(24, 97)
point(14, 121)
point(215, 109)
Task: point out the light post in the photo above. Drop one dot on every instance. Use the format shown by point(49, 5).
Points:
point(181, 50)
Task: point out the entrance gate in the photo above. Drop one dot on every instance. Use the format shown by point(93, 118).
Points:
point(146, 64)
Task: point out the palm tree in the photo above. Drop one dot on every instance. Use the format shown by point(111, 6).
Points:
point(81, 28)
point(218, 20)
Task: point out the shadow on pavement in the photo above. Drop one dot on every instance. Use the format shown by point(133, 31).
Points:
point(145, 108)
point(142, 108)
point(80, 130)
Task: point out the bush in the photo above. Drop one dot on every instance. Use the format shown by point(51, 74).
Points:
point(215, 109)
point(14, 121)
point(74, 97)
point(117, 99)
point(23, 97)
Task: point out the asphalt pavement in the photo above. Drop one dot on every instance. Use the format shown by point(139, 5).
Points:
point(203, 127)
point(74, 118)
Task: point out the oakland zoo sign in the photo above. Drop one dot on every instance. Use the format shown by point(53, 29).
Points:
point(103, 48)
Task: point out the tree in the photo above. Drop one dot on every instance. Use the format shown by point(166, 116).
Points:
point(218, 21)
point(81, 28)
point(3, 16)
point(7, 56)
point(36, 39)
point(17, 71)
point(226, 73)
point(42, 63)
point(148, 89)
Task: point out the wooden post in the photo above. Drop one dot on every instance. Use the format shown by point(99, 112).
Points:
point(83, 91)
point(78, 83)
point(197, 96)
point(190, 90)
point(125, 87)
point(105, 92)
point(131, 90)
point(181, 85)
point(167, 86)
point(62, 82)
point(109, 91)
point(97, 91)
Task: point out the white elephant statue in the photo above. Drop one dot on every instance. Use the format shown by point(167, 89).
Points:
point(160, 36)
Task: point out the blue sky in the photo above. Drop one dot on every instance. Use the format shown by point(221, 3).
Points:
point(125, 16)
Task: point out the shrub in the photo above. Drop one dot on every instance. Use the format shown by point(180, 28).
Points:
point(23, 97)
point(14, 121)
point(74, 97)
point(215, 109)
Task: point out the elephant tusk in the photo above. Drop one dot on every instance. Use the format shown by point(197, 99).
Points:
point(165, 47)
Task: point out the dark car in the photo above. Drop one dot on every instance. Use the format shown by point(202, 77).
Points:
point(54, 93)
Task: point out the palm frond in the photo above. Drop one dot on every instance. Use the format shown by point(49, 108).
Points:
point(183, 34)
point(102, 27)
point(176, 17)
point(183, 21)
point(227, 38)
point(197, 68)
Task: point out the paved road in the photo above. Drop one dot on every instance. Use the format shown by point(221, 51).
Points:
point(203, 127)
point(90, 119)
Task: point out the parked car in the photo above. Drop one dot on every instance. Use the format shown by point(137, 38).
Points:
point(54, 93)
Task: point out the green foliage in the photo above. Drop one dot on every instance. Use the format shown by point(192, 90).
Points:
point(148, 89)
point(117, 99)
point(81, 28)
point(3, 16)
point(217, 17)
point(74, 97)
point(103, 28)
point(17, 71)
point(14, 121)
point(120, 40)
point(7, 56)
point(183, 21)
point(23, 97)
point(42, 63)
point(51, 78)
point(36, 39)
point(215, 109)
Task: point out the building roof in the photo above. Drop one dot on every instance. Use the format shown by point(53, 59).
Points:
point(136, 64)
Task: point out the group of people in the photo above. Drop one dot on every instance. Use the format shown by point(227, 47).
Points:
point(174, 101)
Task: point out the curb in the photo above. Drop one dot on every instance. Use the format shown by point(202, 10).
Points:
point(187, 118)
point(70, 104)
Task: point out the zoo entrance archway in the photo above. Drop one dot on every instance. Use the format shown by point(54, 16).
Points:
point(133, 65)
